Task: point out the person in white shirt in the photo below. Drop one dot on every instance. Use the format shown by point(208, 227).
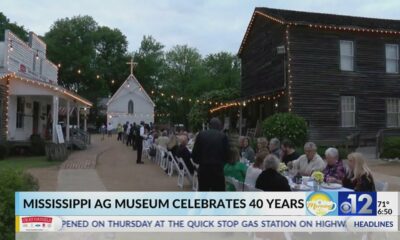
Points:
point(309, 162)
point(255, 169)
point(163, 140)
point(109, 129)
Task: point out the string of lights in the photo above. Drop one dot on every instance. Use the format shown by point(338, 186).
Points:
point(316, 26)
point(218, 105)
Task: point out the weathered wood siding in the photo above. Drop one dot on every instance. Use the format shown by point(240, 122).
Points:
point(318, 82)
point(262, 67)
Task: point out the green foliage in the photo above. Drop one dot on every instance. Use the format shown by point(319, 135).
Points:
point(199, 112)
point(12, 181)
point(38, 145)
point(4, 151)
point(286, 126)
point(79, 43)
point(151, 63)
point(5, 23)
point(391, 147)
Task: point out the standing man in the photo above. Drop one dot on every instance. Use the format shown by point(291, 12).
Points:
point(211, 152)
point(139, 143)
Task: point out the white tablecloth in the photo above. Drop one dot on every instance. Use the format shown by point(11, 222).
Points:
point(311, 184)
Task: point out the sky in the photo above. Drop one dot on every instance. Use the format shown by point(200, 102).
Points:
point(208, 25)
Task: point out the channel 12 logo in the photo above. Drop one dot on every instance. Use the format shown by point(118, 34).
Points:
point(357, 204)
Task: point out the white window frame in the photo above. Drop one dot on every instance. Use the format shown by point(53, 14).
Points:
point(348, 106)
point(395, 59)
point(344, 56)
point(394, 110)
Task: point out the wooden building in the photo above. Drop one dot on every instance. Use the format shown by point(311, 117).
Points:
point(340, 73)
point(31, 101)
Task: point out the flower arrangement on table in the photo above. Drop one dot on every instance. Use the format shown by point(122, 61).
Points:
point(318, 177)
point(282, 168)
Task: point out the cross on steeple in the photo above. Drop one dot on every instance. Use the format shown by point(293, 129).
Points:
point(133, 65)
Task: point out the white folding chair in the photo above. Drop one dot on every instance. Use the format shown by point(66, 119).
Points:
point(195, 182)
point(157, 159)
point(172, 164)
point(184, 172)
point(146, 148)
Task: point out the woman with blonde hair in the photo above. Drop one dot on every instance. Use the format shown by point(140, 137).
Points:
point(360, 176)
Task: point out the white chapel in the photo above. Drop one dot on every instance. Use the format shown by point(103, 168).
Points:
point(130, 103)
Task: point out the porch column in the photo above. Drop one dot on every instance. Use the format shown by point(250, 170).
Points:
point(240, 120)
point(84, 119)
point(55, 118)
point(78, 109)
point(67, 127)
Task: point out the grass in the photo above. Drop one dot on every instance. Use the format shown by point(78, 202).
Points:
point(23, 163)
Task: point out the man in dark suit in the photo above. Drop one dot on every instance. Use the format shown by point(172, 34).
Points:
point(211, 152)
point(139, 143)
point(270, 179)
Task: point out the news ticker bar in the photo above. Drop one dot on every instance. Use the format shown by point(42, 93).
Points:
point(206, 224)
point(328, 203)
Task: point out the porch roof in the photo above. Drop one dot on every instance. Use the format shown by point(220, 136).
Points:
point(47, 86)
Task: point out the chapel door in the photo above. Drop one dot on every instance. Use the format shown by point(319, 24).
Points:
point(35, 125)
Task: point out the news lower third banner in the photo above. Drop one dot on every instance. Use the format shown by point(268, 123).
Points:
point(207, 211)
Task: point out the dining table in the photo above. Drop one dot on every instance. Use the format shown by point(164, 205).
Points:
point(309, 186)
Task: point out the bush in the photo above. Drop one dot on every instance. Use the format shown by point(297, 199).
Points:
point(12, 181)
point(391, 147)
point(286, 126)
point(4, 151)
point(38, 145)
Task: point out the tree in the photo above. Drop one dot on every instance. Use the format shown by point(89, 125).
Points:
point(222, 69)
point(70, 42)
point(111, 57)
point(5, 23)
point(199, 113)
point(151, 63)
point(184, 68)
point(92, 57)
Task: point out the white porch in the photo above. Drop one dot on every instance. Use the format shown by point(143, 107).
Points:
point(33, 108)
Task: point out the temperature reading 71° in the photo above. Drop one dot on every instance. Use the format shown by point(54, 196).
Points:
point(384, 208)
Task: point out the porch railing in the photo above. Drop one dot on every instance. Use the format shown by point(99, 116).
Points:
point(380, 138)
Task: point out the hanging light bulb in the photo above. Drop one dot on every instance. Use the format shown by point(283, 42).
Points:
point(112, 81)
point(59, 65)
point(37, 54)
point(79, 71)
point(98, 76)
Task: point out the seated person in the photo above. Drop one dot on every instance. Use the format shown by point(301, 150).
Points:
point(247, 151)
point(360, 177)
point(163, 140)
point(288, 152)
point(334, 171)
point(309, 162)
point(270, 179)
point(255, 169)
point(262, 145)
point(275, 147)
point(184, 153)
point(234, 168)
